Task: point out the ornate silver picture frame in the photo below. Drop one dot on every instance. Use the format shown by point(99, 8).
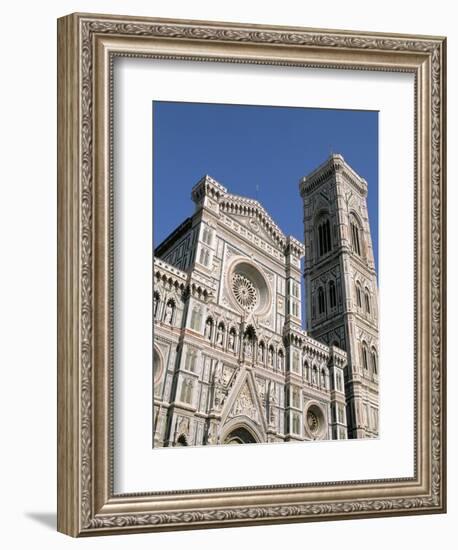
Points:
point(88, 505)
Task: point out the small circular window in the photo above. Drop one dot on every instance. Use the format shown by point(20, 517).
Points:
point(315, 421)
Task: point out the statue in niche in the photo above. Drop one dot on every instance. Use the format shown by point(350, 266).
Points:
point(231, 341)
point(280, 362)
point(169, 312)
point(208, 329)
point(323, 379)
point(220, 335)
point(271, 357)
point(248, 345)
point(272, 403)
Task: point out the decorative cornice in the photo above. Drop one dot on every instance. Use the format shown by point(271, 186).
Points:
point(333, 165)
point(263, 513)
point(188, 282)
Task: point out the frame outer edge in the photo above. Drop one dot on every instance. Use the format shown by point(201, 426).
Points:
point(443, 281)
point(76, 421)
point(68, 398)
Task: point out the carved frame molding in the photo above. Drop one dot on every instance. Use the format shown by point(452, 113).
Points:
point(87, 45)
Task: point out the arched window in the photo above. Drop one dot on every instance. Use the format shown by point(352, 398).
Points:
point(358, 294)
point(209, 328)
point(364, 355)
point(374, 360)
point(321, 301)
point(332, 294)
point(355, 236)
point(367, 301)
point(324, 236)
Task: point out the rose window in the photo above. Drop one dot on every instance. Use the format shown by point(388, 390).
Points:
point(244, 291)
point(313, 422)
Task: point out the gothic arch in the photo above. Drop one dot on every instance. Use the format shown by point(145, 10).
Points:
point(323, 233)
point(243, 429)
point(356, 234)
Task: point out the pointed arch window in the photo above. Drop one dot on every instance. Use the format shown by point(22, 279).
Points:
point(365, 356)
point(367, 301)
point(324, 236)
point(321, 301)
point(374, 360)
point(358, 295)
point(332, 294)
point(355, 237)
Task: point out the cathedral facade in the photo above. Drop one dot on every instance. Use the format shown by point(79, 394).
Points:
point(232, 362)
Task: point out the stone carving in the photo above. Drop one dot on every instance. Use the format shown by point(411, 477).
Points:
point(248, 346)
point(231, 341)
point(220, 335)
point(183, 426)
point(244, 291)
point(244, 404)
point(169, 312)
point(313, 423)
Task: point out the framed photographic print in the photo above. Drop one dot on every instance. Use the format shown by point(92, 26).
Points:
point(251, 250)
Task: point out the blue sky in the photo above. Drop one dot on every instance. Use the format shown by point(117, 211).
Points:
point(258, 152)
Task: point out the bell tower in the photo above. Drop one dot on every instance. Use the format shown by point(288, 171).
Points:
point(341, 283)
